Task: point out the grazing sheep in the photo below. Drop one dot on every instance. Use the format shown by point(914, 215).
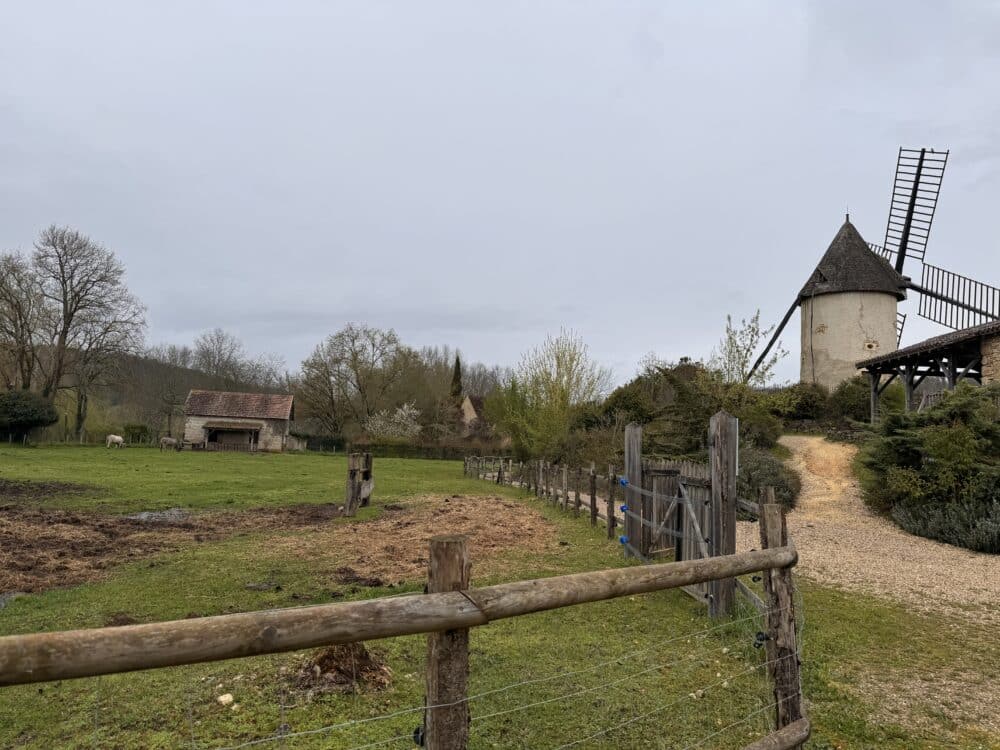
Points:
point(116, 440)
point(166, 443)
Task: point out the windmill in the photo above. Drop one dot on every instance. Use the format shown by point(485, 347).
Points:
point(849, 303)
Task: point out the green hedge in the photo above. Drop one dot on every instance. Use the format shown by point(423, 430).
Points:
point(937, 472)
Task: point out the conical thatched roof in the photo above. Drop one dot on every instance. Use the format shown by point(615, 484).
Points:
point(850, 266)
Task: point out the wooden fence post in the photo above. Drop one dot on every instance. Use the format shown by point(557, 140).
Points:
point(366, 480)
point(593, 495)
point(447, 727)
point(723, 445)
point(782, 651)
point(538, 480)
point(499, 476)
point(565, 487)
point(633, 473)
point(610, 500)
point(576, 492)
point(352, 491)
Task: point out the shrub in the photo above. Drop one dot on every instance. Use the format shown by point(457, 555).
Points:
point(758, 427)
point(22, 411)
point(851, 400)
point(937, 472)
point(759, 469)
point(802, 401)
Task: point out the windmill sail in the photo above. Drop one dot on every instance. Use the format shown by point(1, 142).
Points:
point(955, 300)
point(914, 199)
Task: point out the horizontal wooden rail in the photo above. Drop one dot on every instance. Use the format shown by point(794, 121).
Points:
point(39, 657)
point(784, 739)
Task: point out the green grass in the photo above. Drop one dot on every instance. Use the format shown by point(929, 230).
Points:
point(849, 640)
point(132, 479)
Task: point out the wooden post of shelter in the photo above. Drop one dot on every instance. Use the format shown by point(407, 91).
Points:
point(446, 723)
point(633, 473)
point(782, 650)
point(723, 430)
point(873, 381)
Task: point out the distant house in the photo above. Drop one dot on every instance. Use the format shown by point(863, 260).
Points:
point(219, 420)
point(471, 415)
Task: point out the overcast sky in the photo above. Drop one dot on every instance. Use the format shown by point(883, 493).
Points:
point(479, 174)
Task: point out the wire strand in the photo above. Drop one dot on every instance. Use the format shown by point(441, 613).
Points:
point(561, 675)
point(665, 706)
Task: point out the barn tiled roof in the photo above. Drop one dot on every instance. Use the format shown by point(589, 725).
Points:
point(850, 266)
point(246, 405)
point(954, 338)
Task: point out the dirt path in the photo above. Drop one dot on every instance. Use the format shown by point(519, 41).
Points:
point(842, 543)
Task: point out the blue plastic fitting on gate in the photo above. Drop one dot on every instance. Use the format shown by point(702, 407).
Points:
point(623, 508)
point(623, 482)
point(623, 539)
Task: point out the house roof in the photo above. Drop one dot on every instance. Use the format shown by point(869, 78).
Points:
point(850, 266)
point(477, 405)
point(944, 341)
point(246, 405)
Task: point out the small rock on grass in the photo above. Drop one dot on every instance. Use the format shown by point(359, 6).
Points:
point(226, 699)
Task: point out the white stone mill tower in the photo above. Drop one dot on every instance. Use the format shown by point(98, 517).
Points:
point(848, 310)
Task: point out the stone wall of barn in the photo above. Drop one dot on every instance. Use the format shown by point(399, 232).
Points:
point(273, 432)
point(991, 359)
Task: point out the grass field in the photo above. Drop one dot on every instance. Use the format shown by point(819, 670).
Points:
point(875, 675)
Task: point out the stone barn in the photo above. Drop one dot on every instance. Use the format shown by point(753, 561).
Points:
point(224, 421)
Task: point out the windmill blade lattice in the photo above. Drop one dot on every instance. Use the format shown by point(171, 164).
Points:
point(914, 199)
point(954, 300)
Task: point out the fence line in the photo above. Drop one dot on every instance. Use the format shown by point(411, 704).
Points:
point(42, 657)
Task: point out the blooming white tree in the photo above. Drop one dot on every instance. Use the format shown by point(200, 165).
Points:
point(401, 424)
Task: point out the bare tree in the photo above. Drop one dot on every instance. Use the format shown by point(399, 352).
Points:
point(100, 347)
point(172, 382)
point(21, 315)
point(352, 373)
point(220, 353)
point(83, 286)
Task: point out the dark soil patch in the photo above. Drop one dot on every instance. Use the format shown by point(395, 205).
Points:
point(42, 548)
point(343, 669)
point(12, 489)
point(350, 575)
point(118, 619)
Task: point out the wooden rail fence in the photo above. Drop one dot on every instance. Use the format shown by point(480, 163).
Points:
point(446, 612)
point(663, 507)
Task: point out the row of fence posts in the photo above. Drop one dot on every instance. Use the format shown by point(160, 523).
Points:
point(704, 518)
point(551, 482)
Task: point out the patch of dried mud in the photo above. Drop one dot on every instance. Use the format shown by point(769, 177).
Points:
point(46, 548)
point(393, 547)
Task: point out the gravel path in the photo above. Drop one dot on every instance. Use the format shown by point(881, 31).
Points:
point(842, 543)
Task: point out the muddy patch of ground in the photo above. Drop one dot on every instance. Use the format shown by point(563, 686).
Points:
point(14, 490)
point(43, 548)
point(393, 548)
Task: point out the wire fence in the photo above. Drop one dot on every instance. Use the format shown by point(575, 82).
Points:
point(706, 675)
